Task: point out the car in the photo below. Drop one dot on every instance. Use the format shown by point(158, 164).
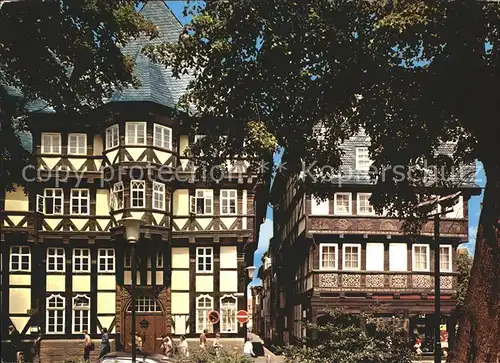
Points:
point(123, 357)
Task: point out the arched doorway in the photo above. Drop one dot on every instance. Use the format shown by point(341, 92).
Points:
point(150, 324)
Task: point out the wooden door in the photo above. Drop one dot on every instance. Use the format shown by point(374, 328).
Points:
point(150, 327)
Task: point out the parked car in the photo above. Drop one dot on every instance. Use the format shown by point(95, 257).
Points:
point(123, 357)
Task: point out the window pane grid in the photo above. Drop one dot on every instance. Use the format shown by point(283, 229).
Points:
point(364, 206)
point(55, 314)
point(204, 259)
point(351, 257)
point(20, 258)
point(228, 201)
point(162, 137)
point(420, 257)
point(51, 143)
point(80, 201)
point(55, 260)
point(136, 133)
point(106, 260)
point(77, 144)
point(228, 314)
point(204, 304)
point(328, 257)
point(138, 193)
point(342, 203)
point(54, 200)
point(117, 196)
point(445, 258)
point(112, 137)
point(158, 196)
point(81, 260)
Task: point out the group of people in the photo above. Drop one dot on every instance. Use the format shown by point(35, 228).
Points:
point(247, 348)
point(88, 345)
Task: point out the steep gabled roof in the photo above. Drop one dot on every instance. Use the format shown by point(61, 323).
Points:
point(157, 83)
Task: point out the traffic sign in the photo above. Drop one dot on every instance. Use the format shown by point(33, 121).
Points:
point(242, 316)
point(213, 316)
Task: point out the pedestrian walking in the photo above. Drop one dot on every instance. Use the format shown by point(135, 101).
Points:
point(203, 339)
point(248, 349)
point(105, 348)
point(167, 346)
point(183, 347)
point(88, 346)
point(15, 341)
point(138, 343)
point(217, 346)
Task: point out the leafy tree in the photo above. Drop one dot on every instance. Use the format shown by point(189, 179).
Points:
point(342, 338)
point(66, 53)
point(413, 74)
point(464, 266)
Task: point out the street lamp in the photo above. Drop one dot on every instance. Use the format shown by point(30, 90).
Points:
point(132, 232)
point(429, 207)
point(251, 271)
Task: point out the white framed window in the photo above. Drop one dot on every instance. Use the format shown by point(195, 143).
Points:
point(319, 208)
point(145, 304)
point(20, 258)
point(204, 304)
point(80, 201)
point(158, 196)
point(159, 260)
point(77, 144)
point(81, 260)
point(228, 201)
point(398, 257)
point(135, 133)
point(56, 259)
point(328, 256)
point(204, 259)
point(363, 204)
point(137, 194)
point(118, 196)
point(374, 257)
point(127, 259)
point(51, 143)
point(112, 137)
point(162, 136)
point(445, 262)
point(81, 314)
point(202, 202)
point(55, 315)
point(106, 260)
point(421, 257)
point(351, 256)
point(228, 309)
point(342, 203)
point(54, 200)
point(363, 161)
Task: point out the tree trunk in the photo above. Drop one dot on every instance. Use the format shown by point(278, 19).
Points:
point(479, 326)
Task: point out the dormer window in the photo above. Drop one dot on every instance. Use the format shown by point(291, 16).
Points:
point(51, 143)
point(135, 133)
point(363, 161)
point(77, 144)
point(162, 136)
point(112, 137)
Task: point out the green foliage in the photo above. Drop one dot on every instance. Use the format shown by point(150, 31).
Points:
point(208, 355)
point(66, 53)
point(344, 339)
point(464, 267)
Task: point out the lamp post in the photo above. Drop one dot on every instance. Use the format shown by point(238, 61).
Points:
point(250, 273)
point(132, 231)
point(445, 203)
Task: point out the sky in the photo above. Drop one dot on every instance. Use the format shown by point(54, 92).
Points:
point(266, 229)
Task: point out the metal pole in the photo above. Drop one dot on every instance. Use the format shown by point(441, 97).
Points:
point(437, 291)
point(134, 278)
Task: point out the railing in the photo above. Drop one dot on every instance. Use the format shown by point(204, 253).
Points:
point(382, 281)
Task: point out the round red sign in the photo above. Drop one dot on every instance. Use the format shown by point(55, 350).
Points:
point(242, 316)
point(213, 317)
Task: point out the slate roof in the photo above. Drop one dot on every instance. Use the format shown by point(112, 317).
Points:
point(464, 177)
point(157, 83)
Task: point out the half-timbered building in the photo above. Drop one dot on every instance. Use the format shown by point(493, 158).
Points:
point(66, 265)
point(338, 253)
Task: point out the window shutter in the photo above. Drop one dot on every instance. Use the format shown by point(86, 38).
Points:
point(192, 204)
point(40, 203)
